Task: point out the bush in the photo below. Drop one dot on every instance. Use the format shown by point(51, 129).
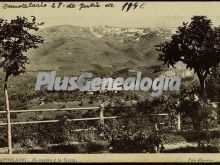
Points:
point(215, 134)
point(133, 141)
point(192, 136)
point(87, 136)
point(3, 137)
point(173, 138)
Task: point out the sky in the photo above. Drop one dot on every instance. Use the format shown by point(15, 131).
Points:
point(152, 14)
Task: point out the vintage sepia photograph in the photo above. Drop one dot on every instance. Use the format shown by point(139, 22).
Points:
point(109, 78)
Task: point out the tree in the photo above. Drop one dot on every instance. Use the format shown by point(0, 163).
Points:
point(196, 44)
point(16, 38)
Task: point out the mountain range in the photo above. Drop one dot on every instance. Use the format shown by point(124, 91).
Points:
point(71, 49)
point(103, 50)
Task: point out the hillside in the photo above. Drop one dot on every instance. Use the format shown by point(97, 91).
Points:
point(104, 51)
point(72, 49)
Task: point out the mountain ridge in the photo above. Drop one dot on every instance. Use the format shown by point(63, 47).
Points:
point(76, 48)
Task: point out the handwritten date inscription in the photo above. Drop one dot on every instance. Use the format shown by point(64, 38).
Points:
point(131, 5)
point(128, 6)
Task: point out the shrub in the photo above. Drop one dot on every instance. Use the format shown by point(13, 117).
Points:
point(87, 136)
point(135, 141)
point(3, 136)
point(173, 138)
point(192, 136)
